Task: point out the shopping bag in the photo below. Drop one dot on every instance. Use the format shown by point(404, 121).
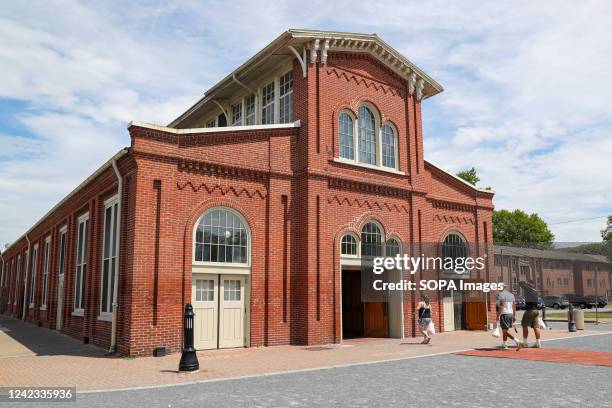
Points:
point(497, 331)
point(431, 330)
point(541, 323)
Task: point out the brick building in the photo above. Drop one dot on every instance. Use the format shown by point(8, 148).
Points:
point(555, 272)
point(255, 205)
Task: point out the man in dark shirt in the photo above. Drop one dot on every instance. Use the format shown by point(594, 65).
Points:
point(531, 317)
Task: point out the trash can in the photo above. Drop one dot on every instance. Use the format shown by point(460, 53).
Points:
point(579, 319)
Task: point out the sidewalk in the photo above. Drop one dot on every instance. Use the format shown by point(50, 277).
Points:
point(57, 360)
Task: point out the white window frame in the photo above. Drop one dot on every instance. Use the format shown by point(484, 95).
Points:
point(111, 203)
point(358, 243)
point(82, 243)
point(33, 275)
point(378, 127)
point(17, 276)
point(289, 95)
point(222, 267)
point(395, 145)
point(239, 106)
point(273, 102)
point(45, 278)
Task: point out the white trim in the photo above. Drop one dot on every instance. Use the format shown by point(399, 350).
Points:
point(111, 201)
point(45, 272)
point(78, 312)
point(105, 316)
point(368, 166)
point(83, 217)
point(295, 124)
point(482, 190)
point(63, 229)
point(43, 307)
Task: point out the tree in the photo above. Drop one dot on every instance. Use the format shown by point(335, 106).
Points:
point(518, 228)
point(607, 233)
point(469, 175)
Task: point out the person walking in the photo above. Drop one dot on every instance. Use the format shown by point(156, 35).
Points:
point(506, 313)
point(424, 318)
point(531, 317)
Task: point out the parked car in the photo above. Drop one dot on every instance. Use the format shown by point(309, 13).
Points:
point(556, 301)
point(520, 302)
point(602, 301)
point(582, 301)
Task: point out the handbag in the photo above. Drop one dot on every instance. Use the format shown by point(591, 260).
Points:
point(431, 329)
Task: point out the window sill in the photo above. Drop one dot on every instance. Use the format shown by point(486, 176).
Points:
point(368, 166)
point(43, 307)
point(31, 306)
point(78, 312)
point(105, 317)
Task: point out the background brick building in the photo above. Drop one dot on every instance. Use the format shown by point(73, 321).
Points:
point(256, 205)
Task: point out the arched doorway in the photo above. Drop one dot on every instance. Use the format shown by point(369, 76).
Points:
point(221, 267)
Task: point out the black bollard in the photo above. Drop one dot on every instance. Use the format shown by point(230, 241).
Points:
point(571, 324)
point(189, 358)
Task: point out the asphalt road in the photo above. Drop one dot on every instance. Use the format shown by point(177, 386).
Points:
point(446, 380)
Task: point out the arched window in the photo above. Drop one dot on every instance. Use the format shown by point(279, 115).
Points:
point(392, 248)
point(371, 240)
point(454, 247)
point(221, 236)
point(388, 146)
point(345, 131)
point(367, 136)
point(348, 245)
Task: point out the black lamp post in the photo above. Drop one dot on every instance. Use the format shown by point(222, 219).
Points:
point(189, 358)
point(571, 324)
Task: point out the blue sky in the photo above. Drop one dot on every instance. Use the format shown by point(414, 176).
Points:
point(526, 101)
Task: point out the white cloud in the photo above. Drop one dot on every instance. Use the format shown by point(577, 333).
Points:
point(526, 101)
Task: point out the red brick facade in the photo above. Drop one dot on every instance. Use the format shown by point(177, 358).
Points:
point(297, 201)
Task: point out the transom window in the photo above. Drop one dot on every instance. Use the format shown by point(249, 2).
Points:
point(221, 236)
point(375, 145)
point(393, 247)
point(454, 247)
point(371, 240)
point(348, 245)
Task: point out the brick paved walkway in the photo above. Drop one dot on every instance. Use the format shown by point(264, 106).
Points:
point(582, 357)
point(32, 356)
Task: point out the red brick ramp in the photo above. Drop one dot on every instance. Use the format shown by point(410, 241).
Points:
point(583, 357)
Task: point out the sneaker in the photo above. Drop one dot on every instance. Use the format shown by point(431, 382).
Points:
point(504, 347)
point(519, 345)
point(536, 345)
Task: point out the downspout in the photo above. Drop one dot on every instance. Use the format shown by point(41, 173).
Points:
point(2, 280)
point(113, 343)
point(25, 279)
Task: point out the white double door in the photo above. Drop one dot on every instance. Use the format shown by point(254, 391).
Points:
point(219, 305)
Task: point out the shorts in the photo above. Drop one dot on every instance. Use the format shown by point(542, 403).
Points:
point(530, 319)
point(505, 321)
point(424, 322)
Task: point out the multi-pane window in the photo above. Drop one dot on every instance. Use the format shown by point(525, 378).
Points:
point(45, 277)
point(221, 236)
point(454, 247)
point(565, 281)
point(249, 107)
point(211, 124)
point(33, 272)
point(371, 240)
point(285, 83)
point(388, 146)
point(81, 263)
point(109, 259)
point(393, 247)
point(367, 136)
point(205, 290)
point(17, 279)
point(237, 114)
point(267, 104)
point(231, 289)
point(348, 245)
point(347, 142)
point(62, 252)
point(590, 282)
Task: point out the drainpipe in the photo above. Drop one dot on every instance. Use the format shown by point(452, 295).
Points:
point(25, 279)
point(113, 343)
point(2, 278)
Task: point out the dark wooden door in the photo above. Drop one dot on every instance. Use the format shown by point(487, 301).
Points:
point(376, 319)
point(352, 308)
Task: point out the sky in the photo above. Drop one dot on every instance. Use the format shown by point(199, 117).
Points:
point(526, 100)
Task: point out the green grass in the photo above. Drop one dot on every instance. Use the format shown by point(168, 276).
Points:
point(587, 315)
